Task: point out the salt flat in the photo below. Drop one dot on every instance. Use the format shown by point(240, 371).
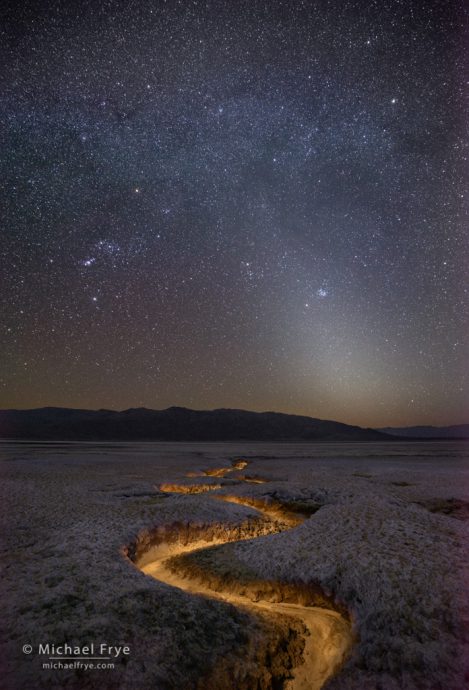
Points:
point(388, 541)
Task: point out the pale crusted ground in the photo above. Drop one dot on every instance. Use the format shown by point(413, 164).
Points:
point(374, 545)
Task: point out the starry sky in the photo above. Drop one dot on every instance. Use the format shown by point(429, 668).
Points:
point(236, 203)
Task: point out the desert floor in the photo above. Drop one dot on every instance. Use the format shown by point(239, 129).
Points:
point(373, 537)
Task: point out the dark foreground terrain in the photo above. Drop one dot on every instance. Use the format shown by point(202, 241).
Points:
point(383, 539)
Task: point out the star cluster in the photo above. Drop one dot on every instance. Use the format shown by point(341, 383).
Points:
point(238, 204)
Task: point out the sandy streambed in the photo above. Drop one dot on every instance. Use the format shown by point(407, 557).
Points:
point(328, 639)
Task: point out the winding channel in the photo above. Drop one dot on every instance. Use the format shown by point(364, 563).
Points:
point(329, 635)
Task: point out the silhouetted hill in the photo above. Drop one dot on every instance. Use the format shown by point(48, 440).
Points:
point(175, 424)
point(456, 431)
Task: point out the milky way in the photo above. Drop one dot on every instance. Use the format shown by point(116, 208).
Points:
point(236, 204)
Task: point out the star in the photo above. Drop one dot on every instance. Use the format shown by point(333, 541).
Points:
point(230, 202)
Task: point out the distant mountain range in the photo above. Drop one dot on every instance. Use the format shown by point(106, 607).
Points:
point(175, 424)
point(456, 431)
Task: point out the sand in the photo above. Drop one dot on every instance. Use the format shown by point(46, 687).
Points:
point(328, 638)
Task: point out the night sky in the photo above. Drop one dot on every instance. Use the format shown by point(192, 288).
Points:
point(236, 204)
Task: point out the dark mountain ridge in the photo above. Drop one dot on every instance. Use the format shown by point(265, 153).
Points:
point(457, 431)
point(175, 424)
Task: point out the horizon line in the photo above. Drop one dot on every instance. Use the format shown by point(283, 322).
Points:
point(216, 409)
